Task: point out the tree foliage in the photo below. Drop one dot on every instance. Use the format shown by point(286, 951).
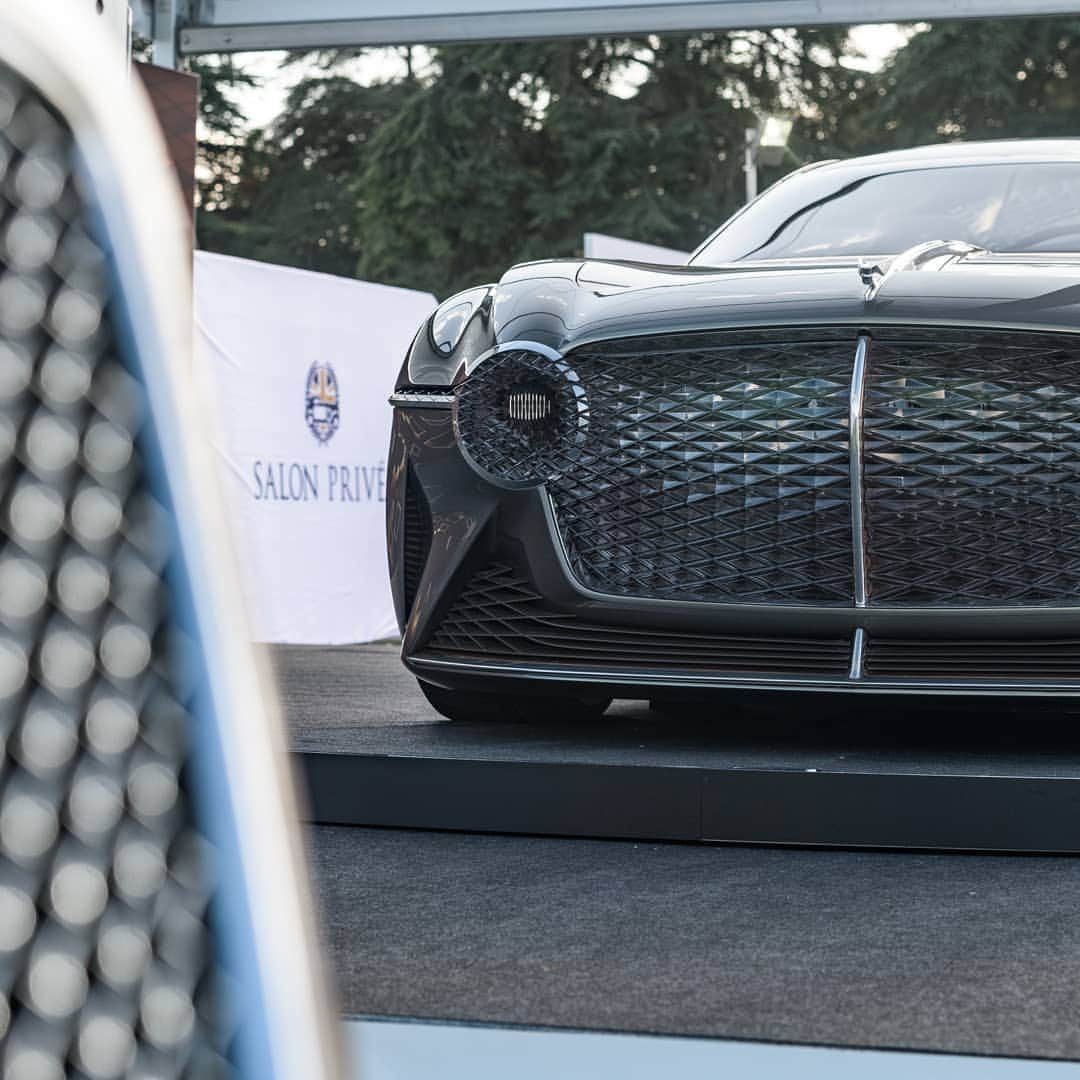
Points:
point(295, 200)
point(983, 80)
point(222, 127)
point(484, 155)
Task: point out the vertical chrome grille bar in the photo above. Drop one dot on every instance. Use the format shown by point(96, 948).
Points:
point(858, 644)
point(855, 449)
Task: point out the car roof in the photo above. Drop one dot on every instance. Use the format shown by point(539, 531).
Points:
point(957, 153)
point(820, 180)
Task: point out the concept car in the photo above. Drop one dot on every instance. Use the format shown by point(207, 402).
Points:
point(838, 451)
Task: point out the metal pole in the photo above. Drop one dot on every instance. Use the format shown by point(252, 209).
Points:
point(166, 14)
point(750, 163)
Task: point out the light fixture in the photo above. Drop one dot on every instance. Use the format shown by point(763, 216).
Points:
point(766, 144)
point(520, 416)
point(775, 133)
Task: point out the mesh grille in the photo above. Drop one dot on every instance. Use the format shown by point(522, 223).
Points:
point(972, 468)
point(715, 468)
point(974, 659)
point(498, 615)
point(416, 542)
point(105, 965)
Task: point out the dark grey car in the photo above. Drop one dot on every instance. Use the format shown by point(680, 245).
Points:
point(839, 451)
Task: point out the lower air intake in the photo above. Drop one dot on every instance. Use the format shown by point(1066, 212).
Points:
point(499, 616)
point(1041, 660)
point(416, 542)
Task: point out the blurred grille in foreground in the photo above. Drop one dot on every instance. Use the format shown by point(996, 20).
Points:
point(105, 965)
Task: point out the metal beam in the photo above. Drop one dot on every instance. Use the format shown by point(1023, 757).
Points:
point(252, 25)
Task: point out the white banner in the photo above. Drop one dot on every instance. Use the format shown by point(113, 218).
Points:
point(600, 246)
point(300, 366)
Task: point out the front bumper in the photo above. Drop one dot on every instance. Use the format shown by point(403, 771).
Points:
point(486, 599)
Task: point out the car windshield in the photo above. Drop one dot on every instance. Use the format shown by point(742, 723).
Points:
point(1028, 207)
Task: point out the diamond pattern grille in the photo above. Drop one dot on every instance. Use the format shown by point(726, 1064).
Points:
point(715, 468)
point(972, 468)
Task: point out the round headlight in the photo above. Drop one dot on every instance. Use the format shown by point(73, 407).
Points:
point(521, 417)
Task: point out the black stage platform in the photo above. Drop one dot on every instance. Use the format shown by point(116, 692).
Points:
point(781, 770)
point(975, 954)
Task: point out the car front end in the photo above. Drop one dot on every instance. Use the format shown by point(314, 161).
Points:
point(635, 482)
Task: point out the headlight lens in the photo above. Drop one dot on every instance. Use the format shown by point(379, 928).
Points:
point(449, 322)
point(521, 417)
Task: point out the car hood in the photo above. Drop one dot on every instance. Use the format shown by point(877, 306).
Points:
point(566, 303)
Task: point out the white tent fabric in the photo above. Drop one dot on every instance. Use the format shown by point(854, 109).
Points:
point(601, 246)
point(298, 367)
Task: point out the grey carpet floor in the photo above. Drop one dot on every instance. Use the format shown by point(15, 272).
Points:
point(972, 954)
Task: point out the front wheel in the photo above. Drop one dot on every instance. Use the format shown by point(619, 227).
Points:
point(468, 705)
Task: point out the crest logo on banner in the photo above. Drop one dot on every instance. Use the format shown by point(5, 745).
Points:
point(321, 409)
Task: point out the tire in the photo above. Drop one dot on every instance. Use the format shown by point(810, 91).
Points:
point(466, 705)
